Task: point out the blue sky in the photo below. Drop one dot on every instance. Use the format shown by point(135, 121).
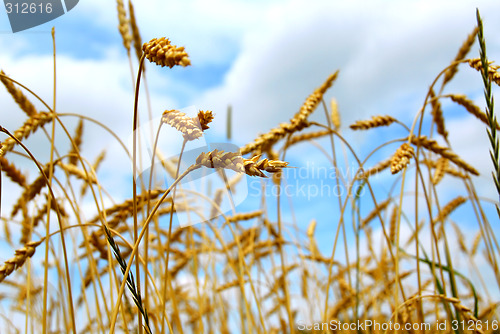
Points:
point(264, 58)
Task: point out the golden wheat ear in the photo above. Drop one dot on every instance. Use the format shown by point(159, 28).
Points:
point(161, 52)
point(205, 117)
point(401, 158)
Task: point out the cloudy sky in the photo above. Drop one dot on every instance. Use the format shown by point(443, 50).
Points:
point(263, 57)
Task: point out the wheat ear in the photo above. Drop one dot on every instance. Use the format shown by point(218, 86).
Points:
point(162, 53)
point(32, 190)
point(462, 53)
point(376, 121)
point(12, 172)
point(234, 161)
point(335, 114)
point(136, 36)
point(379, 167)
point(491, 69)
point(18, 260)
point(445, 152)
point(437, 115)
point(401, 158)
point(298, 122)
point(449, 208)
point(492, 119)
point(73, 155)
point(375, 212)
point(470, 107)
point(205, 117)
point(136, 294)
point(308, 136)
point(190, 128)
point(244, 216)
point(29, 127)
point(18, 96)
point(123, 24)
point(441, 166)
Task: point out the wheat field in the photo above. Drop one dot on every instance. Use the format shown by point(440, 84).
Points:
point(207, 241)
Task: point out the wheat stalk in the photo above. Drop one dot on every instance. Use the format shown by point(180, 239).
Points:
point(465, 311)
point(393, 224)
point(460, 238)
point(98, 160)
point(127, 204)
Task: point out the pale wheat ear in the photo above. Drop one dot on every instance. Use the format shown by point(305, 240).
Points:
point(190, 127)
point(136, 36)
point(123, 25)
